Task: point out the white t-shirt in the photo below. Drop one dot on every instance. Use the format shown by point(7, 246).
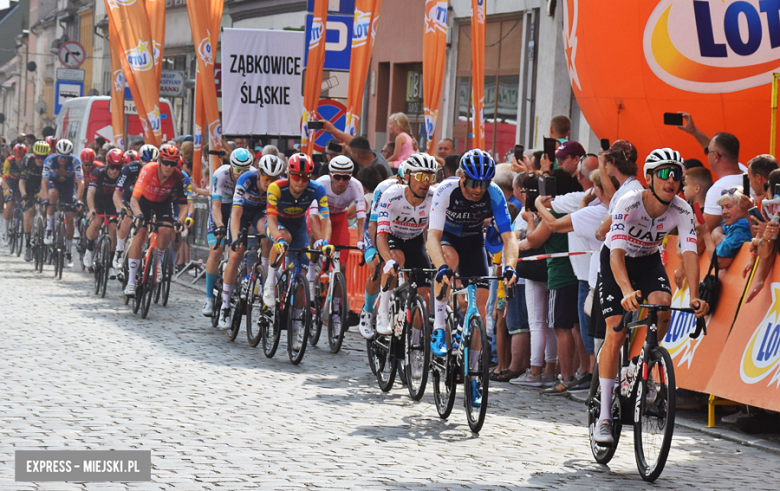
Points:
point(630, 185)
point(711, 206)
point(585, 222)
point(569, 204)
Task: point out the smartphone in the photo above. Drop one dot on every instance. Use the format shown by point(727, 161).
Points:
point(547, 186)
point(549, 148)
point(673, 119)
point(335, 146)
point(755, 212)
point(605, 144)
point(530, 199)
point(519, 149)
point(318, 157)
point(315, 125)
point(698, 213)
point(745, 185)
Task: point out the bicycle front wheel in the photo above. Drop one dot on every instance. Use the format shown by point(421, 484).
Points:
point(654, 424)
point(298, 319)
point(318, 307)
point(476, 361)
point(167, 272)
point(18, 225)
point(217, 295)
point(254, 305)
point(105, 265)
point(97, 268)
point(418, 349)
point(337, 317)
point(149, 284)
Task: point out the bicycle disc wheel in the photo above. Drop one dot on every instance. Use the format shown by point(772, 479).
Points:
point(167, 277)
point(337, 317)
point(654, 425)
point(105, 265)
point(602, 454)
point(149, 284)
point(476, 360)
point(298, 319)
point(418, 349)
point(317, 309)
point(217, 295)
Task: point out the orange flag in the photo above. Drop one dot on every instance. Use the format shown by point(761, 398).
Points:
point(313, 83)
point(131, 24)
point(205, 18)
point(200, 121)
point(117, 90)
point(478, 72)
point(434, 58)
point(363, 35)
point(155, 9)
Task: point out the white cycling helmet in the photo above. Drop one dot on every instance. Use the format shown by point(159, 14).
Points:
point(662, 156)
point(341, 163)
point(241, 159)
point(271, 165)
point(420, 162)
point(64, 147)
point(149, 153)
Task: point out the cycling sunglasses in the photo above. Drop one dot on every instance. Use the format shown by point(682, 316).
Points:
point(170, 163)
point(425, 176)
point(297, 176)
point(341, 177)
point(114, 167)
point(664, 173)
point(474, 184)
point(240, 170)
point(268, 178)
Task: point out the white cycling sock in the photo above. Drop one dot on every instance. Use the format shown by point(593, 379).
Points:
point(311, 274)
point(384, 301)
point(440, 320)
point(120, 245)
point(607, 384)
point(7, 226)
point(265, 262)
point(50, 222)
point(132, 266)
point(68, 245)
point(271, 278)
point(227, 291)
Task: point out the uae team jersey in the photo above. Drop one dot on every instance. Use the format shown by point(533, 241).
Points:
point(396, 216)
point(639, 235)
point(283, 204)
point(454, 214)
point(339, 203)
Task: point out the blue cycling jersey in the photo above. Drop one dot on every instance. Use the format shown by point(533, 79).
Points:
point(71, 170)
point(247, 193)
point(453, 213)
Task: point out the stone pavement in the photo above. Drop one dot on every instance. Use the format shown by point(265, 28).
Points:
point(80, 372)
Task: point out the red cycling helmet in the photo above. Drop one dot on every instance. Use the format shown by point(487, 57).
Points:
point(87, 156)
point(114, 157)
point(52, 142)
point(169, 153)
point(130, 156)
point(20, 149)
point(300, 163)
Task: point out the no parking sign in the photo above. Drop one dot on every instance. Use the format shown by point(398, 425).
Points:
point(336, 113)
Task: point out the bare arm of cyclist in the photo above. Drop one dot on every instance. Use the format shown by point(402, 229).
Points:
point(216, 213)
point(235, 220)
point(135, 206)
point(691, 261)
point(91, 199)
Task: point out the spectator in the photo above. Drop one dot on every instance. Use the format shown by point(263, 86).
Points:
point(270, 150)
point(759, 169)
point(504, 179)
point(691, 164)
point(696, 183)
point(370, 177)
point(398, 129)
point(364, 155)
point(187, 151)
point(560, 128)
point(502, 338)
point(736, 229)
point(444, 148)
point(388, 150)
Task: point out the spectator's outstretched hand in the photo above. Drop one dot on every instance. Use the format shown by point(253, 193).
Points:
point(688, 125)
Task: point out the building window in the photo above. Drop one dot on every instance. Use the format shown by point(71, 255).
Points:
point(503, 36)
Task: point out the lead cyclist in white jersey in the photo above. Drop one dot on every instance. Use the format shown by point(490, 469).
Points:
point(631, 266)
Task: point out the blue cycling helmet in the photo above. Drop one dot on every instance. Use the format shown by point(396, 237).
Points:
point(493, 241)
point(478, 165)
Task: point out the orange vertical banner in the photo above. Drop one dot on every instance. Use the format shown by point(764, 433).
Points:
point(205, 18)
point(434, 58)
point(131, 24)
point(314, 63)
point(197, 137)
point(117, 90)
point(155, 9)
point(363, 36)
point(478, 72)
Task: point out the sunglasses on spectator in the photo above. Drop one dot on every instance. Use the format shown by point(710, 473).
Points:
point(664, 173)
point(341, 177)
point(707, 151)
point(729, 191)
point(170, 163)
point(425, 176)
point(297, 176)
point(474, 184)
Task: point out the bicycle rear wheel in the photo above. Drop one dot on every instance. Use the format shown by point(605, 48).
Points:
point(149, 282)
point(105, 265)
point(476, 361)
point(139, 286)
point(602, 454)
point(254, 305)
point(125, 277)
point(385, 361)
point(217, 295)
point(318, 308)
point(337, 316)
point(236, 314)
point(654, 424)
point(18, 230)
point(60, 249)
point(167, 277)
point(298, 319)
point(97, 271)
point(418, 349)
point(269, 324)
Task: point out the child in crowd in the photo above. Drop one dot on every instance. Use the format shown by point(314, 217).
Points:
point(736, 229)
point(698, 181)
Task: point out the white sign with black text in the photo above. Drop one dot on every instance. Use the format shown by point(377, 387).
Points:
point(262, 76)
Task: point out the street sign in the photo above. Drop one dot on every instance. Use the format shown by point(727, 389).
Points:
point(172, 83)
point(338, 41)
point(130, 107)
point(343, 7)
point(71, 54)
point(72, 74)
point(64, 90)
point(336, 113)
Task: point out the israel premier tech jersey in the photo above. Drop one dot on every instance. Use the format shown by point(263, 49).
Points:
point(456, 215)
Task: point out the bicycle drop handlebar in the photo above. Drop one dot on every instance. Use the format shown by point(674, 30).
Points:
point(701, 324)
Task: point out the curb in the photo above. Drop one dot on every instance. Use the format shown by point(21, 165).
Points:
point(731, 436)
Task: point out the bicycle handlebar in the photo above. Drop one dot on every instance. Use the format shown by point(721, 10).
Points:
point(701, 324)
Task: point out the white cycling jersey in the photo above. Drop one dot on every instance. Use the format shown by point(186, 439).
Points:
point(338, 203)
point(639, 235)
point(222, 185)
point(378, 191)
point(396, 216)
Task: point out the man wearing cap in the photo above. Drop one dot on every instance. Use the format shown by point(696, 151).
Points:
point(567, 158)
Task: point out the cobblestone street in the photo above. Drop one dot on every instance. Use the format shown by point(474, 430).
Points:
point(81, 372)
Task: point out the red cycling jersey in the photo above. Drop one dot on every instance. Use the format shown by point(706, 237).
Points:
point(89, 177)
point(148, 185)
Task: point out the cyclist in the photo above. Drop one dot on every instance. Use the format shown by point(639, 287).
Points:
point(288, 200)
point(100, 203)
point(124, 191)
point(631, 266)
point(455, 239)
point(249, 207)
point(159, 185)
point(403, 217)
point(29, 187)
point(62, 182)
point(88, 164)
point(12, 171)
point(343, 191)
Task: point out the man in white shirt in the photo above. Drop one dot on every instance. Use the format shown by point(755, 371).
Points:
point(618, 162)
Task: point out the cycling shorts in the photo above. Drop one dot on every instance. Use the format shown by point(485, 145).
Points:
point(13, 184)
point(471, 253)
point(105, 207)
point(251, 218)
point(163, 210)
point(646, 273)
point(415, 255)
point(297, 229)
point(66, 190)
point(226, 210)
